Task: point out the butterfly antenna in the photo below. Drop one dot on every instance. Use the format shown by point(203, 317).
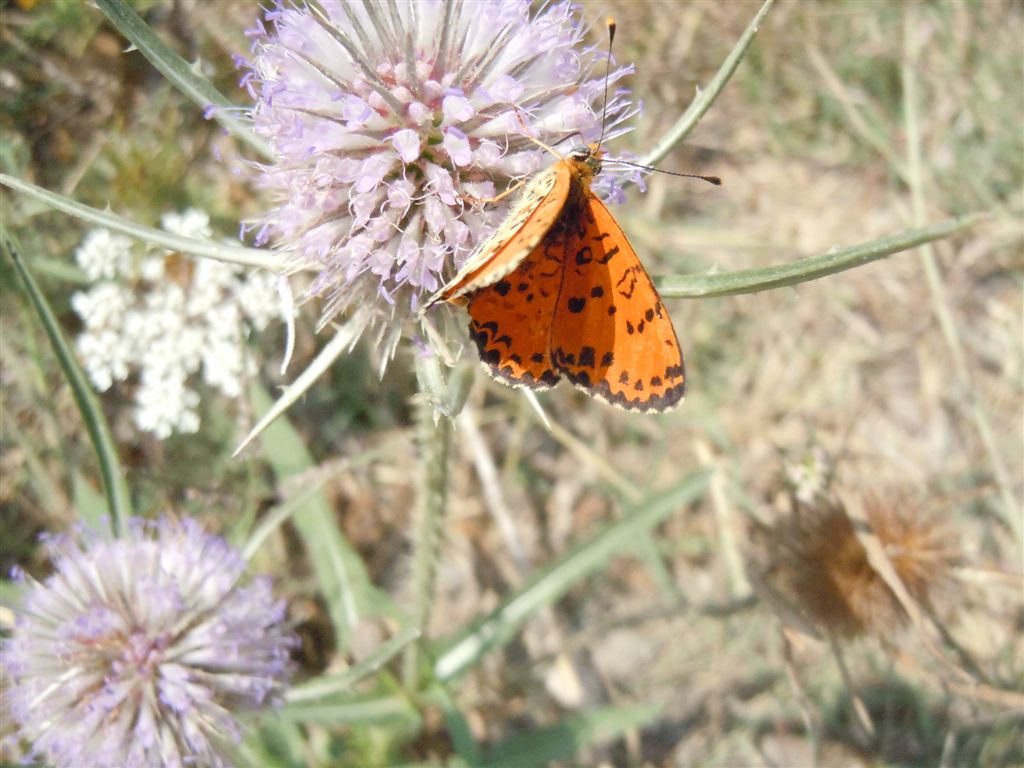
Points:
point(607, 71)
point(709, 179)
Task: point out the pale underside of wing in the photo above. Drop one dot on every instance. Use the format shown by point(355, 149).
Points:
point(534, 213)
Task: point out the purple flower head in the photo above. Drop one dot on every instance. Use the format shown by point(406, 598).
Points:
point(386, 118)
point(138, 651)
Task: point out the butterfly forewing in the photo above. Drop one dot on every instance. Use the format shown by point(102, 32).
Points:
point(536, 209)
point(610, 334)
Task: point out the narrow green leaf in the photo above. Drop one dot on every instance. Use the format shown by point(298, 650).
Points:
point(459, 730)
point(234, 254)
point(61, 270)
point(343, 580)
point(353, 709)
point(114, 484)
point(249, 536)
point(277, 515)
point(182, 75)
point(810, 268)
point(705, 98)
point(10, 594)
point(538, 747)
point(90, 506)
point(467, 648)
point(329, 685)
point(275, 743)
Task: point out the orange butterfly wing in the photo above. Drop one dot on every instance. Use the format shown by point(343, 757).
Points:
point(611, 334)
point(510, 321)
point(536, 209)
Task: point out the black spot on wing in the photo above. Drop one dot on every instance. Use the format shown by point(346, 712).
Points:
point(576, 304)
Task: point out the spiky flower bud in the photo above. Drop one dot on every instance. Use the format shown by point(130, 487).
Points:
point(813, 570)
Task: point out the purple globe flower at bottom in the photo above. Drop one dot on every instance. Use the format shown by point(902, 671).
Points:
point(139, 651)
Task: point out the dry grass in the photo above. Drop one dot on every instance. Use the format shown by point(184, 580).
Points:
point(811, 142)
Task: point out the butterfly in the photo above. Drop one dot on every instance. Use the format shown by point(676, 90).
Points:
point(557, 290)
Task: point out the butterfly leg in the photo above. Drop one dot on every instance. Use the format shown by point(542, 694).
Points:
point(490, 200)
point(534, 139)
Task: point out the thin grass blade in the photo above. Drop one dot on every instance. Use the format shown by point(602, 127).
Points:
point(563, 740)
point(459, 729)
point(339, 570)
point(114, 485)
point(497, 628)
point(354, 709)
point(276, 743)
point(90, 505)
point(329, 685)
point(10, 600)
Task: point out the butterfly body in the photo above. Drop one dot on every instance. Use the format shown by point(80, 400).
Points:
point(557, 290)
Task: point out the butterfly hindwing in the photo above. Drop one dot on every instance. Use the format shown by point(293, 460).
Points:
point(611, 334)
point(510, 320)
point(536, 209)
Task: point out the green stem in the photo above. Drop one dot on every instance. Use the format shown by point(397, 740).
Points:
point(234, 254)
point(705, 98)
point(184, 76)
point(810, 268)
point(433, 438)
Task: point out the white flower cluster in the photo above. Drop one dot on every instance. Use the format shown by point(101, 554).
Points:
point(165, 318)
